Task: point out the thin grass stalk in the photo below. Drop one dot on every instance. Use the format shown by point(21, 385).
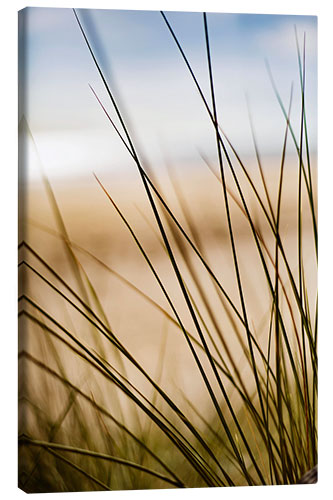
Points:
point(281, 379)
point(272, 463)
point(311, 365)
point(112, 448)
point(277, 237)
point(301, 76)
point(246, 400)
point(120, 385)
point(190, 456)
point(218, 284)
point(74, 466)
point(74, 263)
point(162, 415)
point(128, 283)
point(300, 246)
point(241, 394)
point(195, 278)
point(198, 243)
point(92, 402)
point(290, 275)
point(250, 220)
point(263, 244)
point(103, 364)
point(188, 302)
point(256, 148)
point(206, 349)
point(292, 463)
point(176, 270)
point(226, 373)
point(57, 446)
point(53, 431)
point(315, 390)
point(103, 373)
point(282, 285)
point(265, 247)
point(226, 448)
point(158, 377)
point(222, 362)
point(276, 304)
point(68, 300)
point(225, 194)
point(309, 192)
point(211, 315)
point(272, 225)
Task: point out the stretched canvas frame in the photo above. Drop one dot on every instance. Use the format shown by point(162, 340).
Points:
point(167, 251)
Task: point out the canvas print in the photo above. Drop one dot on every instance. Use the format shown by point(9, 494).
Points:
point(167, 250)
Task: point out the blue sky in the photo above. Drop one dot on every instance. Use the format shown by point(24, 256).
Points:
point(150, 80)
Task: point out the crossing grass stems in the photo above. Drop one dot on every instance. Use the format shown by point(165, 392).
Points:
point(271, 436)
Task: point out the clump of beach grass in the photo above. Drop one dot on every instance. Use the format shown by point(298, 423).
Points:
point(261, 427)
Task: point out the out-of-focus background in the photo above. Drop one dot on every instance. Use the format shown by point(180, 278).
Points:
point(67, 136)
point(153, 87)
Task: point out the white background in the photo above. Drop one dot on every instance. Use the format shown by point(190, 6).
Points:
point(8, 235)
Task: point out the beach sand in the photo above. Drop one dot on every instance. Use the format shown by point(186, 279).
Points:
point(155, 341)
